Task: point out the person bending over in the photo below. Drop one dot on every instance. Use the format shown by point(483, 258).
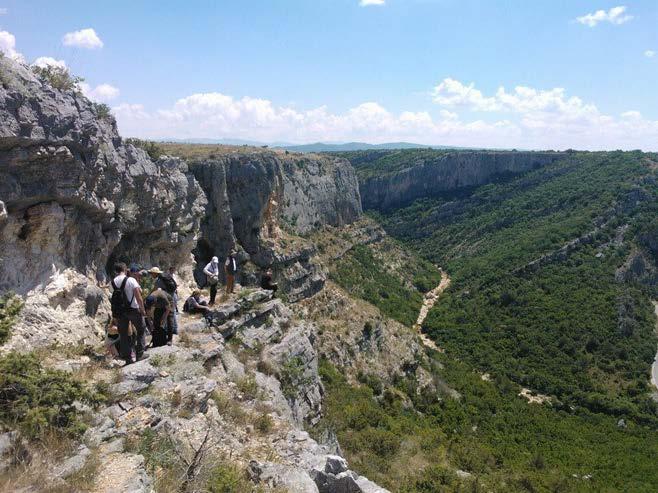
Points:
point(266, 281)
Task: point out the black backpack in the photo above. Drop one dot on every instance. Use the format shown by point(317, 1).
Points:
point(119, 301)
point(168, 283)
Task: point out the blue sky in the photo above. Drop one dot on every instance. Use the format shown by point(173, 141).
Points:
point(429, 71)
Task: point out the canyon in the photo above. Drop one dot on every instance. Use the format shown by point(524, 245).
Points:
point(258, 383)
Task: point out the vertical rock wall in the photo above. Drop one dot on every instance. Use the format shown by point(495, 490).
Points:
point(75, 198)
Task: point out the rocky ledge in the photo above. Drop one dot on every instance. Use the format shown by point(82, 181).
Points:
point(238, 388)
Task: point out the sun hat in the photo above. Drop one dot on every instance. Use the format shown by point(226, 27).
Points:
point(155, 270)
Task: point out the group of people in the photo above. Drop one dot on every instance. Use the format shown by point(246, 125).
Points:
point(134, 314)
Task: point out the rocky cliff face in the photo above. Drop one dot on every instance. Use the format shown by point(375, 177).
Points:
point(446, 172)
point(258, 197)
point(75, 199)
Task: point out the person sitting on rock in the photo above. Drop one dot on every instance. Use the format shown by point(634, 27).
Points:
point(231, 269)
point(128, 308)
point(160, 308)
point(211, 270)
point(267, 283)
point(194, 304)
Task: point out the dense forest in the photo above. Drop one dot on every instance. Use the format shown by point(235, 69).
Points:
point(553, 275)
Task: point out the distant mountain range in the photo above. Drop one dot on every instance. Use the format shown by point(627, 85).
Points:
point(315, 147)
point(355, 146)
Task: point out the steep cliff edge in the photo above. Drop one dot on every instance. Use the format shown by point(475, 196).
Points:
point(76, 198)
point(390, 179)
point(260, 200)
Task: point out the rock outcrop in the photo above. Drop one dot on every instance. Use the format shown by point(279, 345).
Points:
point(257, 197)
point(446, 172)
point(76, 198)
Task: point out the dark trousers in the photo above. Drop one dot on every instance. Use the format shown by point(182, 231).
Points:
point(213, 293)
point(128, 342)
point(159, 329)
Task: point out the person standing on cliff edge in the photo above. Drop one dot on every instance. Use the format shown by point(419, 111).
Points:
point(211, 270)
point(231, 269)
point(128, 308)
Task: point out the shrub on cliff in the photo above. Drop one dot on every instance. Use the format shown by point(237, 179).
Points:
point(152, 148)
point(102, 111)
point(58, 78)
point(10, 307)
point(37, 400)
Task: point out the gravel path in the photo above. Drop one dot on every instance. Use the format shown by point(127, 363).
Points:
point(431, 298)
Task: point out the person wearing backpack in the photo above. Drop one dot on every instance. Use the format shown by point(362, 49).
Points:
point(211, 270)
point(128, 308)
point(166, 282)
point(159, 306)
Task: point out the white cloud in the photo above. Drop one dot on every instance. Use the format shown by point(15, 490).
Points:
point(523, 117)
point(4, 11)
point(84, 38)
point(552, 119)
point(616, 15)
point(451, 92)
point(102, 93)
point(366, 3)
point(216, 115)
point(533, 104)
point(46, 61)
point(8, 46)
point(649, 53)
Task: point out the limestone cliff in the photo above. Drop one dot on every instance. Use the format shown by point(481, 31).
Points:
point(445, 172)
point(259, 197)
point(77, 198)
point(74, 198)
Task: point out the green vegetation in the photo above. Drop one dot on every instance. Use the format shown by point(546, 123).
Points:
point(369, 164)
point(103, 111)
point(264, 423)
point(505, 444)
point(58, 78)
point(573, 322)
point(227, 478)
point(38, 400)
point(566, 327)
point(366, 276)
point(153, 149)
point(10, 307)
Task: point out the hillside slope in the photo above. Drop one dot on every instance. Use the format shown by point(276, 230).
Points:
point(553, 276)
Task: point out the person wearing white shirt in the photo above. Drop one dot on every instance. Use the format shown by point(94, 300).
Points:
point(211, 270)
point(135, 314)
